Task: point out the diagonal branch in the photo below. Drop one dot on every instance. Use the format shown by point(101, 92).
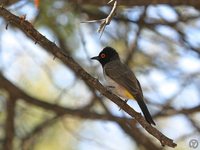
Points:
point(32, 33)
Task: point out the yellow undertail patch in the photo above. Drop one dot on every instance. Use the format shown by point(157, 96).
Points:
point(128, 95)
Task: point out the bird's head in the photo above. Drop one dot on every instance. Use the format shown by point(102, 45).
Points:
point(106, 55)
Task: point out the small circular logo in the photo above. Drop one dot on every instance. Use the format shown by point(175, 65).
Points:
point(193, 143)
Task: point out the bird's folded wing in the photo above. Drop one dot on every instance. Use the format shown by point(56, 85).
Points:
point(121, 74)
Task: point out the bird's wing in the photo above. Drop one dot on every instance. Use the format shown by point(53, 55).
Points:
point(121, 74)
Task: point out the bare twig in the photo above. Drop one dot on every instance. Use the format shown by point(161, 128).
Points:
point(108, 19)
point(105, 21)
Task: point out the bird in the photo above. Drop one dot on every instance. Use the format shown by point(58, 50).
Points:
point(121, 80)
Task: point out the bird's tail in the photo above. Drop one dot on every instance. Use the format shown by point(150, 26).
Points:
point(146, 112)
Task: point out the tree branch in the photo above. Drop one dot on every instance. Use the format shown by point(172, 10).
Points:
point(9, 126)
point(129, 3)
point(59, 110)
point(135, 133)
point(28, 29)
point(170, 112)
point(128, 125)
point(28, 140)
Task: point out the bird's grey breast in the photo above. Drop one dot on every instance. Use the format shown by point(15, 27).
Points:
point(111, 71)
point(117, 71)
point(110, 82)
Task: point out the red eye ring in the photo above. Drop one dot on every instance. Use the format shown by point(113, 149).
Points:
point(103, 55)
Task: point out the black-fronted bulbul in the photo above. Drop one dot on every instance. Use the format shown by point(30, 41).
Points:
point(121, 79)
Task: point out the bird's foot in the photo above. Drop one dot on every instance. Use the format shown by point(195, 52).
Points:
point(110, 88)
point(125, 102)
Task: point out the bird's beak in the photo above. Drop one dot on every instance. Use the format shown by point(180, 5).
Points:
point(96, 58)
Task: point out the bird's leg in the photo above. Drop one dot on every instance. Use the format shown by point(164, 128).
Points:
point(125, 102)
point(110, 88)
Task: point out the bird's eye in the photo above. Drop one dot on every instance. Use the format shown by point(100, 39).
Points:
point(103, 55)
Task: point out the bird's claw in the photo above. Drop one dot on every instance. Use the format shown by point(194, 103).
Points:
point(125, 102)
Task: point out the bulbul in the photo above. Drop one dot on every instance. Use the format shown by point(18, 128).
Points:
point(121, 79)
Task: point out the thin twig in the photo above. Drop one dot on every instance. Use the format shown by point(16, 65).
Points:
point(105, 21)
point(108, 19)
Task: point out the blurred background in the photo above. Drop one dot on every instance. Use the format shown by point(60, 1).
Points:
point(161, 44)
